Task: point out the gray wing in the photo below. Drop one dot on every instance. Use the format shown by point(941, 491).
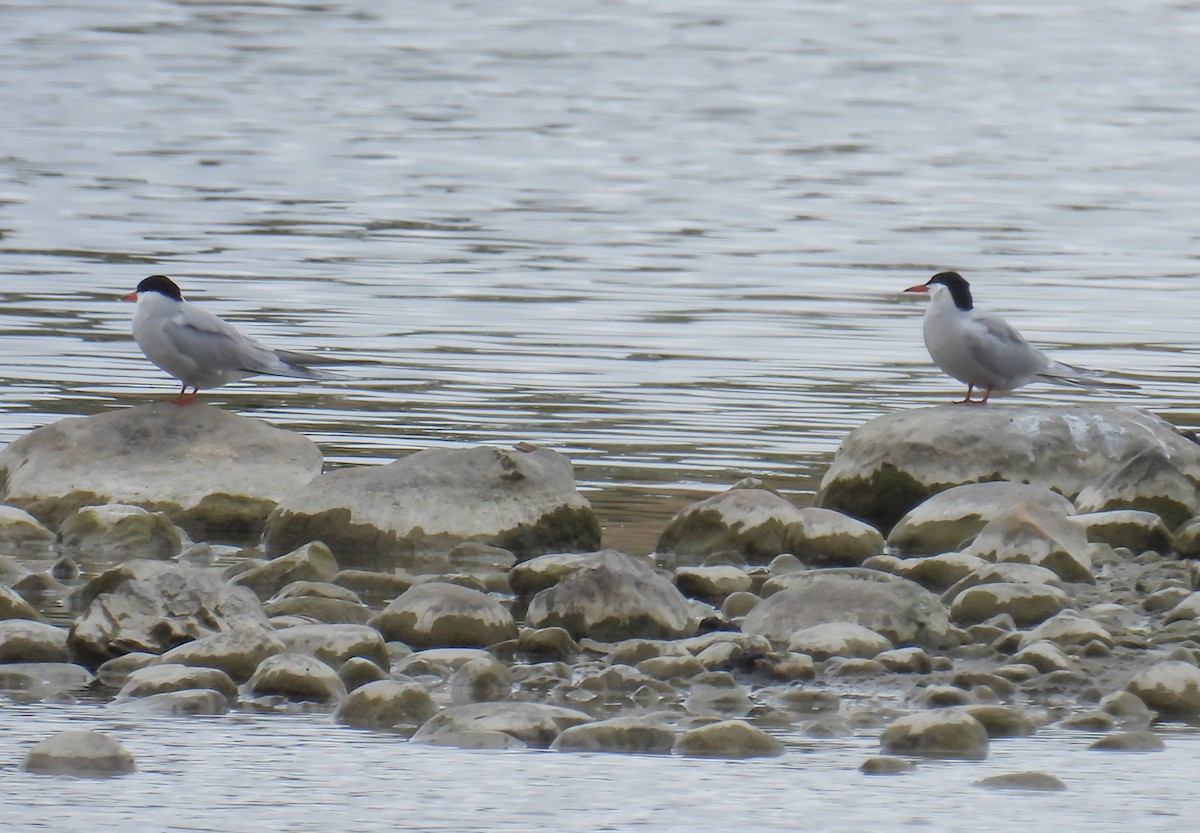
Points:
point(1002, 351)
point(214, 345)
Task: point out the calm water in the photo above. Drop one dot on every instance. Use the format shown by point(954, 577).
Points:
point(664, 236)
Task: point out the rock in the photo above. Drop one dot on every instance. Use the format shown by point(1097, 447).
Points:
point(534, 724)
point(545, 571)
point(1045, 656)
point(1139, 531)
point(727, 739)
point(356, 672)
point(1030, 533)
point(895, 461)
point(1171, 687)
point(79, 753)
point(312, 562)
point(1067, 630)
point(1187, 608)
point(826, 538)
point(905, 661)
point(296, 677)
point(938, 572)
point(13, 606)
point(23, 640)
point(374, 588)
point(902, 611)
point(885, 765)
point(942, 733)
point(212, 472)
point(117, 531)
point(1187, 539)
point(613, 596)
point(838, 639)
point(431, 501)
point(480, 681)
point(1129, 742)
point(1002, 721)
point(619, 734)
point(153, 606)
point(755, 523)
point(156, 679)
point(190, 702)
point(116, 671)
point(318, 609)
point(43, 679)
point(1027, 604)
point(386, 703)
point(737, 605)
point(335, 644)
point(1008, 573)
point(236, 652)
point(19, 529)
point(949, 520)
point(1032, 781)
point(1127, 708)
point(724, 700)
point(546, 644)
point(712, 584)
point(1155, 480)
point(667, 668)
point(439, 614)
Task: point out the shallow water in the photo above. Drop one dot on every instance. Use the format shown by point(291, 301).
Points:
point(667, 238)
point(248, 773)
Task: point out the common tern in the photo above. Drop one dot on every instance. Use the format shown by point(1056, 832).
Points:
point(201, 350)
point(983, 350)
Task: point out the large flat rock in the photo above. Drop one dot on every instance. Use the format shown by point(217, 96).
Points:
point(892, 463)
point(383, 517)
point(210, 471)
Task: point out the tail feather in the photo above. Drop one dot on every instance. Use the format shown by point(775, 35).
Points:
point(1083, 377)
point(299, 366)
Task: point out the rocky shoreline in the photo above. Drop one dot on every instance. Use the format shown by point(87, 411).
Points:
point(966, 575)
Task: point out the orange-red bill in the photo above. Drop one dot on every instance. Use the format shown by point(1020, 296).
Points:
point(132, 296)
point(918, 288)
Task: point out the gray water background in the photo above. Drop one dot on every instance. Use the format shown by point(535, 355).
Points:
point(667, 238)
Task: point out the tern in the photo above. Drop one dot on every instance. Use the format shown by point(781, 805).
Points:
point(983, 350)
point(201, 350)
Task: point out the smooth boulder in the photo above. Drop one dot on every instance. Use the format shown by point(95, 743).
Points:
point(940, 733)
point(81, 753)
point(386, 704)
point(613, 596)
point(901, 610)
point(534, 724)
point(895, 461)
point(431, 501)
point(438, 614)
point(119, 531)
point(211, 471)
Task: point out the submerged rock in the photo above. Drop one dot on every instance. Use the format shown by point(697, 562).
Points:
point(24, 640)
point(642, 735)
point(80, 753)
point(895, 461)
point(311, 562)
point(296, 677)
point(612, 597)
point(157, 679)
point(386, 703)
point(20, 529)
point(431, 501)
point(728, 739)
point(212, 472)
point(534, 724)
point(941, 733)
point(1032, 781)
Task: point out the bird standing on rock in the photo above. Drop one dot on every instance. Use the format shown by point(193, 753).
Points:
point(201, 350)
point(983, 350)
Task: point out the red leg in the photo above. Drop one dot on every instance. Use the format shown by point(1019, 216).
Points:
point(966, 400)
point(986, 394)
point(186, 400)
